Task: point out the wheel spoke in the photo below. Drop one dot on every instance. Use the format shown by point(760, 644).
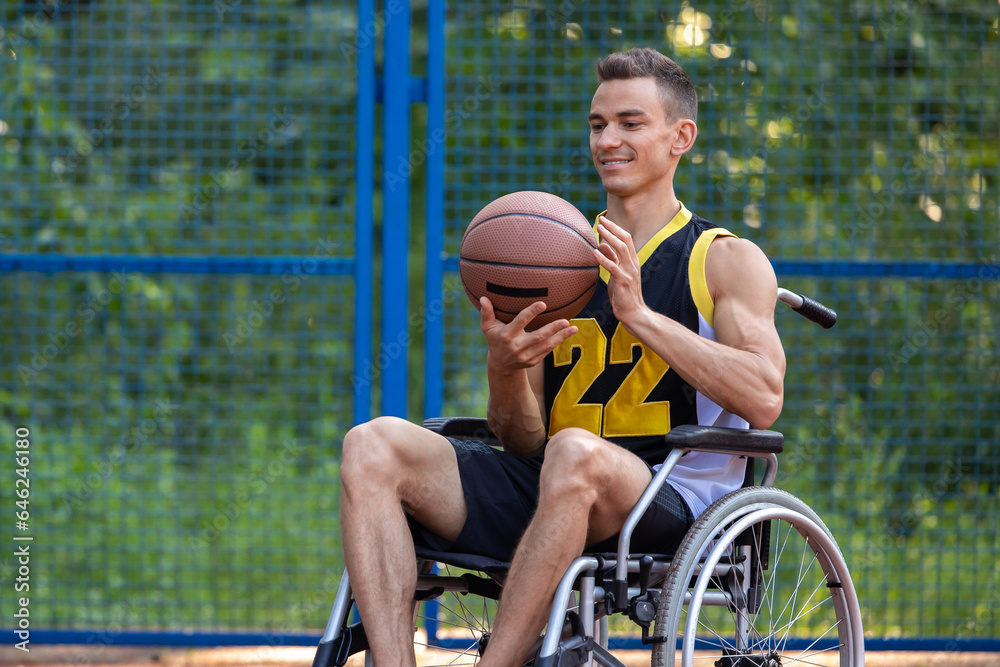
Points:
point(808, 662)
point(710, 627)
point(452, 624)
point(800, 658)
point(723, 642)
point(802, 613)
point(459, 652)
point(770, 583)
point(465, 620)
point(790, 603)
point(835, 625)
point(795, 593)
point(787, 626)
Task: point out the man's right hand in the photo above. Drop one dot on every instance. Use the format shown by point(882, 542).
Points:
point(511, 348)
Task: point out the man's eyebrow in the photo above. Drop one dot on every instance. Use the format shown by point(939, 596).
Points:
point(620, 114)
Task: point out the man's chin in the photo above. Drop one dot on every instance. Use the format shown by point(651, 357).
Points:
point(618, 188)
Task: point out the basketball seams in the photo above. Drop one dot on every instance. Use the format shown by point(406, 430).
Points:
point(517, 292)
point(527, 240)
point(526, 266)
point(553, 309)
point(589, 238)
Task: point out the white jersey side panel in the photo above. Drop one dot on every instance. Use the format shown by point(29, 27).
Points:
point(702, 478)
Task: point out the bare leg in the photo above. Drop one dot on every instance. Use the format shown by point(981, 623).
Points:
point(588, 487)
point(392, 467)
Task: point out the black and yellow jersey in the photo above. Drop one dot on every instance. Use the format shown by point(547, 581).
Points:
point(606, 381)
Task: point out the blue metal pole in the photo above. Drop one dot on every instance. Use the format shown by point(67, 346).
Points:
point(391, 359)
point(434, 333)
point(434, 277)
point(364, 184)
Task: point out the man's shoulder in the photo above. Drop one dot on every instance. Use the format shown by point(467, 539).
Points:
point(737, 265)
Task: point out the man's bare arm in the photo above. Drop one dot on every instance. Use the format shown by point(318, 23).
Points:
point(743, 370)
point(515, 409)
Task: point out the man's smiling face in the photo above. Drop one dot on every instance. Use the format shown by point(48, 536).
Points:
point(630, 136)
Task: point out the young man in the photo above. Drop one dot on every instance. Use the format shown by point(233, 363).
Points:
point(679, 330)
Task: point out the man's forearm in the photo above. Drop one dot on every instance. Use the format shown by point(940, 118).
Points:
point(513, 414)
point(740, 381)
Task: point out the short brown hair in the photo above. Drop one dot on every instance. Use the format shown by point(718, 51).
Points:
point(679, 95)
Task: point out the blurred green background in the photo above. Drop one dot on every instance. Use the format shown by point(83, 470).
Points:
point(186, 436)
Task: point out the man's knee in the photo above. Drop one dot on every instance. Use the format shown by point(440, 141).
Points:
point(574, 448)
point(369, 450)
point(572, 462)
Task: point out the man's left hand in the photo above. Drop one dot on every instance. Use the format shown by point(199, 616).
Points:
point(617, 254)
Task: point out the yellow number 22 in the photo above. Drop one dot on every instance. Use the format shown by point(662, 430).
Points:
point(626, 413)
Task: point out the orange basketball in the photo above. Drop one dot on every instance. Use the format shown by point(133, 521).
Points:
point(526, 247)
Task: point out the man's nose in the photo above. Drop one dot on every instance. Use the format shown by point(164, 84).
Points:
point(610, 138)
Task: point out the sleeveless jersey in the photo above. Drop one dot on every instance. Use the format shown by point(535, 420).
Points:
point(606, 381)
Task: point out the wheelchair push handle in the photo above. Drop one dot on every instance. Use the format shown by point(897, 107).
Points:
point(808, 308)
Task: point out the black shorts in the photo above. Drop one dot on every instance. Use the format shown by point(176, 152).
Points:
point(501, 493)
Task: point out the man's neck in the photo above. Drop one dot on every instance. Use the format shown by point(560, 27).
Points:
point(643, 215)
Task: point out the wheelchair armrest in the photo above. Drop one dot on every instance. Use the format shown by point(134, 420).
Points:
point(460, 427)
point(749, 442)
point(689, 437)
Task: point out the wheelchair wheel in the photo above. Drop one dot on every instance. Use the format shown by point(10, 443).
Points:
point(460, 622)
point(454, 614)
point(759, 581)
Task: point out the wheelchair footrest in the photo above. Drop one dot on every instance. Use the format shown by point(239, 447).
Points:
point(573, 651)
point(335, 653)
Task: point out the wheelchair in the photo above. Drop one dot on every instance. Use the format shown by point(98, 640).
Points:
point(757, 581)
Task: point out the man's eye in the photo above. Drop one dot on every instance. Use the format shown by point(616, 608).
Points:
point(630, 124)
point(596, 128)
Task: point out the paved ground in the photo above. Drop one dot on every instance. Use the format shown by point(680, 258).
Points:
point(72, 656)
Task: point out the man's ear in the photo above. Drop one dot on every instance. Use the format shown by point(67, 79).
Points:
point(687, 132)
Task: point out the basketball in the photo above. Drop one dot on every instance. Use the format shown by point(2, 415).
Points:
point(526, 247)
